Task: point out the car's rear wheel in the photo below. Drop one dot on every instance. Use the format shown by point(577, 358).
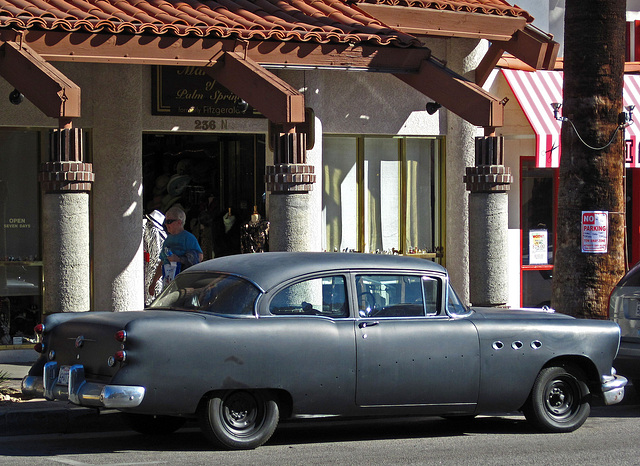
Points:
point(239, 419)
point(559, 400)
point(154, 425)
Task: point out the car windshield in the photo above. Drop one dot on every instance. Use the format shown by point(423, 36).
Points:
point(209, 291)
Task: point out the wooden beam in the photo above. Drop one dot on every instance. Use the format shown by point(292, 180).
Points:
point(267, 93)
point(488, 62)
point(457, 94)
point(432, 22)
point(46, 87)
point(533, 47)
point(181, 51)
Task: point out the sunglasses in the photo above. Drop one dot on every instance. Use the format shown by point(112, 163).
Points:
point(169, 221)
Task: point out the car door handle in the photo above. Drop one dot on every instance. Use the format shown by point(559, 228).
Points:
point(368, 324)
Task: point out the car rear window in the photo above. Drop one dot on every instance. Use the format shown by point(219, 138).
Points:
point(209, 292)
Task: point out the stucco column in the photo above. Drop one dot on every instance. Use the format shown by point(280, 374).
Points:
point(488, 183)
point(117, 218)
point(66, 181)
point(463, 57)
point(296, 215)
point(65, 252)
point(488, 216)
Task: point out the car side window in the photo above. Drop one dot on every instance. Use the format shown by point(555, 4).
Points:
point(454, 305)
point(392, 296)
point(322, 296)
point(432, 294)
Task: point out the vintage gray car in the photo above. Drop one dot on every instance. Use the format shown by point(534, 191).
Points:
point(624, 310)
point(243, 341)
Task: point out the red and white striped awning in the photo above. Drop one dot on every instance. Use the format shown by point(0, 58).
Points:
point(537, 90)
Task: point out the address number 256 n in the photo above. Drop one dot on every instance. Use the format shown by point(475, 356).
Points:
point(207, 125)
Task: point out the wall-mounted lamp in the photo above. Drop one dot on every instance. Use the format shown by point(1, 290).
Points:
point(556, 108)
point(242, 106)
point(624, 119)
point(15, 97)
point(628, 115)
point(433, 107)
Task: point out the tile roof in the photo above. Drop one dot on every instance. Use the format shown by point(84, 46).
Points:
point(487, 7)
point(321, 21)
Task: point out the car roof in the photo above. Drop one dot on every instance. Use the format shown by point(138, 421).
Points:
point(270, 268)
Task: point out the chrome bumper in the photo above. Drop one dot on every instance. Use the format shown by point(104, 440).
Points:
point(613, 388)
point(78, 391)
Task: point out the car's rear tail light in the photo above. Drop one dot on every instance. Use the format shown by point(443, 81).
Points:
point(120, 356)
point(121, 336)
point(39, 347)
point(39, 329)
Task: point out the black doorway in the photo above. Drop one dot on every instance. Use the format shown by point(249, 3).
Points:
point(218, 179)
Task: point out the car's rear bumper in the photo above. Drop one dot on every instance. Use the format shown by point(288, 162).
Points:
point(79, 391)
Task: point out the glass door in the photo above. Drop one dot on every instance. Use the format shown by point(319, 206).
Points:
point(20, 259)
point(538, 196)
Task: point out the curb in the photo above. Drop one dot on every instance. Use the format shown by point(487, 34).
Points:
point(40, 416)
point(46, 417)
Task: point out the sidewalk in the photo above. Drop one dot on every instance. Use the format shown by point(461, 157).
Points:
point(39, 416)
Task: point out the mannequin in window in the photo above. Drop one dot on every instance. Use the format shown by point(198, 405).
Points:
point(255, 234)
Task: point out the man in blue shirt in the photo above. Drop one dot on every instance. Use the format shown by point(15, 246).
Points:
point(180, 249)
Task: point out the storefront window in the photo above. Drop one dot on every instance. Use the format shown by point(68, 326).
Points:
point(340, 200)
point(380, 194)
point(422, 186)
point(538, 196)
point(20, 260)
point(218, 179)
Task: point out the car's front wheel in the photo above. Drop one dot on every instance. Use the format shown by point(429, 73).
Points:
point(559, 400)
point(239, 419)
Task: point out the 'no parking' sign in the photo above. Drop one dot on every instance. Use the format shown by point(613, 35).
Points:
point(595, 231)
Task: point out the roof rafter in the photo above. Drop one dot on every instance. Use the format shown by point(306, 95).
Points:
point(457, 94)
point(532, 46)
point(270, 95)
point(40, 82)
point(434, 22)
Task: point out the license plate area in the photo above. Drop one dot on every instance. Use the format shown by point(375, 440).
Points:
point(63, 375)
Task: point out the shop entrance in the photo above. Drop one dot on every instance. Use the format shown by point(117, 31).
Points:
point(537, 226)
point(218, 179)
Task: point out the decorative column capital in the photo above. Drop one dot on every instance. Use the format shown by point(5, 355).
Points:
point(489, 175)
point(65, 171)
point(66, 176)
point(290, 178)
point(488, 179)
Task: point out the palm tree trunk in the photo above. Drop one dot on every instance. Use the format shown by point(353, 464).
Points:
point(591, 169)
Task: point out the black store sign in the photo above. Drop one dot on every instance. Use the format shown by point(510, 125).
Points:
point(189, 91)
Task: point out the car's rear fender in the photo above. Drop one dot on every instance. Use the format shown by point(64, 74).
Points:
point(519, 349)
